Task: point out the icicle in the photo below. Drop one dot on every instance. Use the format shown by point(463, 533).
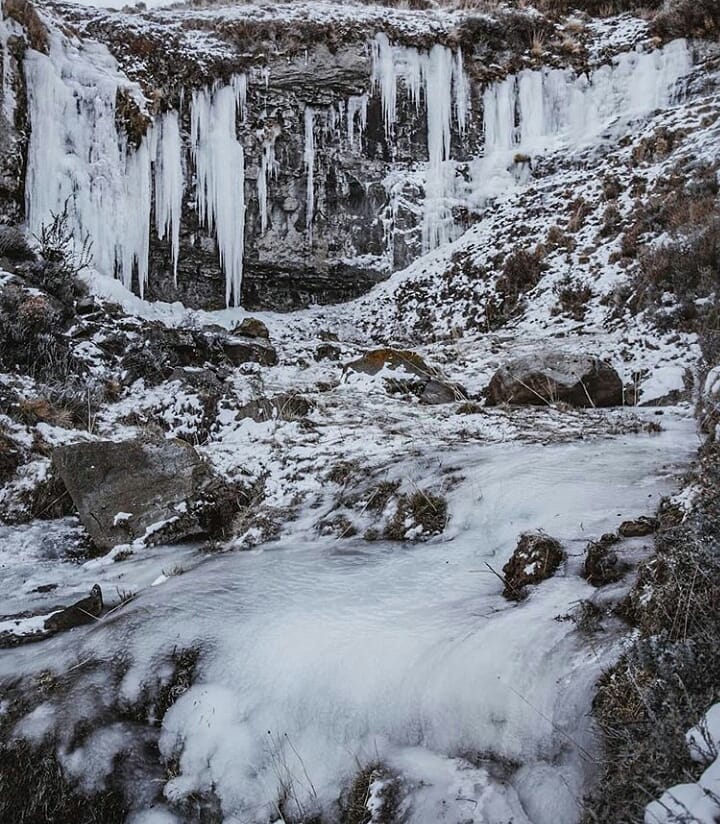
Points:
point(383, 76)
point(268, 170)
point(439, 108)
point(220, 167)
point(461, 85)
point(78, 164)
point(310, 168)
point(356, 110)
point(553, 106)
point(169, 183)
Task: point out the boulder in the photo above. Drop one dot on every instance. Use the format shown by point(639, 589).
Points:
point(536, 558)
point(549, 377)
point(249, 350)
point(84, 611)
point(638, 528)
point(436, 391)
point(394, 359)
point(286, 407)
point(252, 328)
point(121, 489)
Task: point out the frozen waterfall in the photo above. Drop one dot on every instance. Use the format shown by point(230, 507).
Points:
point(220, 167)
point(112, 189)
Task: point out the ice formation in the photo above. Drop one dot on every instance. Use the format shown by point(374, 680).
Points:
point(166, 149)
point(356, 118)
point(77, 161)
point(81, 163)
point(220, 168)
point(535, 111)
point(268, 170)
point(310, 169)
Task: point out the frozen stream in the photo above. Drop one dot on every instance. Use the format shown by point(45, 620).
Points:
point(320, 655)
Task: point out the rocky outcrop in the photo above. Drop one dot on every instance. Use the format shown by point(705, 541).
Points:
point(406, 373)
point(556, 377)
point(122, 489)
point(536, 558)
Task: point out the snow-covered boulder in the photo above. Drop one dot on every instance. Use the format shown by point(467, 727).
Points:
point(122, 489)
point(549, 377)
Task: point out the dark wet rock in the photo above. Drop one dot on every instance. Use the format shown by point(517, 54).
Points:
point(326, 351)
point(121, 489)
point(11, 456)
point(602, 565)
point(286, 407)
point(13, 244)
point(247, 350)
point(84, 611)
point(206, 381)
point(553, 377)
point(414, 377)
point(87, 305)
point(638, 528)
point(252, 328)
point(536, 557)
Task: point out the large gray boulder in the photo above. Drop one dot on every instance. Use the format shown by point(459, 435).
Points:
point(551, 377)
point(121, 489)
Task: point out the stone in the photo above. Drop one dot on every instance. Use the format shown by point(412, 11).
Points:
point(246, 350)
point(638, 528)
point(551, 377)
point(436, 391)
point(120, 489)
point(252, 328)
point(84, 611)
point(286, 407)
point(536, 558)
point(326, 351)
point(394, 359)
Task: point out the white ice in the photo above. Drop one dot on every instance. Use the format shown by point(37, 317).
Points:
point(319, 653)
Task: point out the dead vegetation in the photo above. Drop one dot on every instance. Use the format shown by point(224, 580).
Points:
point(377, 783)
point(421, 514)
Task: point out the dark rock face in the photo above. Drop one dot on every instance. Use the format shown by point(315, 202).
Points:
point(121, 489)
point(84, 611)
point(553, 377)
point(249, 350)
point(536, 558)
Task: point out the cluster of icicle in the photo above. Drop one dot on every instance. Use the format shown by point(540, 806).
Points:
point(79, 159)
point(528, 113)
point(437, 81)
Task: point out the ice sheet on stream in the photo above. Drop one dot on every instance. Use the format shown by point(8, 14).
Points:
point(318, 653)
